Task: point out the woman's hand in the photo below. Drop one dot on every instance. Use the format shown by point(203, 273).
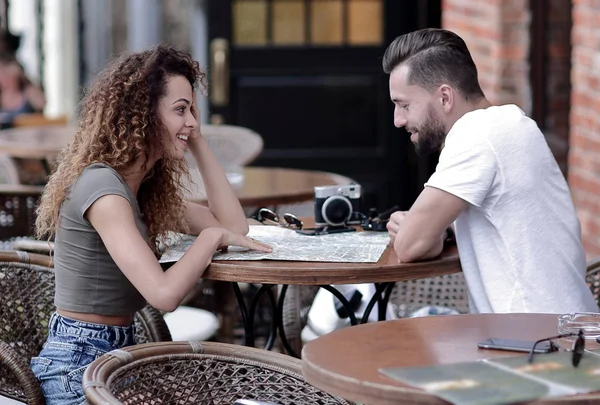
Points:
point(196, 133)
point(228, 238)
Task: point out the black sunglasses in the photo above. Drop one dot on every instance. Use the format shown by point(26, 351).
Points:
point(578, 346)
point(265, 215)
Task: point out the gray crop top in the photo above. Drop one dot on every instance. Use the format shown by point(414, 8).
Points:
point(87, 278)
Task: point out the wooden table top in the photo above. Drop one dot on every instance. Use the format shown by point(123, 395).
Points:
point(346, 362)
point(35, 142)
point(387, 269)
point(269, 186)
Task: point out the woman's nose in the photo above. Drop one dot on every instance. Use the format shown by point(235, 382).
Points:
point(191, 121)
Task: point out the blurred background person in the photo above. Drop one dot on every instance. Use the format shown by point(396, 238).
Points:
point(18, 95)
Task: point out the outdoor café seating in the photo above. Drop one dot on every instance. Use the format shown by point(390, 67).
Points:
point(202, 373)
point(27, 290)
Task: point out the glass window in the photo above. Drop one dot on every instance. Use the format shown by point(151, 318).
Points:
point(249, 22)
point(365, 22)
point(287, 22)
point(326, 22)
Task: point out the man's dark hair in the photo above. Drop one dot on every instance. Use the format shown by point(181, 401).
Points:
point(435, 56)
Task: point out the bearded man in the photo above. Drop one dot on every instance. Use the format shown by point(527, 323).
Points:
point(497, 183)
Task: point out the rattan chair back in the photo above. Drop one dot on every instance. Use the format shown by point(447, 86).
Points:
point(407, 296)
point(448, 291)
point(593, 277)
point(9, 174)
point(232, 145)
point(27, 291)
point(200, 373)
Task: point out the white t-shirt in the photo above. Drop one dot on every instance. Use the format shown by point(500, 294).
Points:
point(519, 240)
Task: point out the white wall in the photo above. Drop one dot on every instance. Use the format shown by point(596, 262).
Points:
point(22, 21)
point(97, 35)
point(199, 45)
point(143, 26)
point(61, 67)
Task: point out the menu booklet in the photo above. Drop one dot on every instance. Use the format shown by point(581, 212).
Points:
point(505, 380)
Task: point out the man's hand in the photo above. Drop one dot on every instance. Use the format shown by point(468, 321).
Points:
point(394, 223)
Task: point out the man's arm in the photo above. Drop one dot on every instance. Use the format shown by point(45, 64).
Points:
point(421, 232)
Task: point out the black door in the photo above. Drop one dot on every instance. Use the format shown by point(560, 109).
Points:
point(306, 75)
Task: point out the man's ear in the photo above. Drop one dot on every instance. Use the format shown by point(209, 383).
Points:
point(446, 97)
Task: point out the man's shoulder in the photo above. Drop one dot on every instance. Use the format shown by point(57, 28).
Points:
point(495, 125)
point(491, 117)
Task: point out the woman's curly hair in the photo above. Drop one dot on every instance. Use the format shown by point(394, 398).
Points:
point(119, 123)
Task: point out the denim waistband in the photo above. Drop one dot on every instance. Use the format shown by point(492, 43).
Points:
point(118, 336)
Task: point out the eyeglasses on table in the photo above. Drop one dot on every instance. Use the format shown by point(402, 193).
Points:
point(266, 216)
point(578, 346)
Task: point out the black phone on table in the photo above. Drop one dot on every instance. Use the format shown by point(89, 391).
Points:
point(516, 345)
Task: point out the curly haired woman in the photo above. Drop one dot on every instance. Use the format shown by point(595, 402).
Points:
point(114, 196)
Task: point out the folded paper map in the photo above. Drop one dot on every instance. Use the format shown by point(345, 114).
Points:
point(357, 247)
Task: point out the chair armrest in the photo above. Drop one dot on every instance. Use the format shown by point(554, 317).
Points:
point(151, 321)
point(28, 244)
point(15, 372)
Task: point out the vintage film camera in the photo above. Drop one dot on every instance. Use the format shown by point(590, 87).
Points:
point(337, 206)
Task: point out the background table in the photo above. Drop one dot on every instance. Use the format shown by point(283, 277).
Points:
point(346, 362)
point(271, 186)
point(35, 143)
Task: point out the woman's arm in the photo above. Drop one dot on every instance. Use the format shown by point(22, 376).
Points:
point(113, 219)
point(224, 208)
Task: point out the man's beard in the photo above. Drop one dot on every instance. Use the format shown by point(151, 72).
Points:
point(431, 134)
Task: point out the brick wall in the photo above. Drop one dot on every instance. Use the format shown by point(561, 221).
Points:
point(584, 154)
point(497, 34)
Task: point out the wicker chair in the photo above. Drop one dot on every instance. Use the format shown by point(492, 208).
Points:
point(407, 296)
point(27, 290)
point(233, 146)
point(9, 173)
point(593, 277)
point(445, 291)
point(202, 373)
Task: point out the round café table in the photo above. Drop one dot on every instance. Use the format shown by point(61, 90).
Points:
point(272, 186)
point(384, 274)
point(35, 142)
point(346, 362)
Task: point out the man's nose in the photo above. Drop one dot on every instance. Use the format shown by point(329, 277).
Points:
point(399, 121)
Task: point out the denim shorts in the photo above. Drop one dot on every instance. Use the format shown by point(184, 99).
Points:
point(71, 346)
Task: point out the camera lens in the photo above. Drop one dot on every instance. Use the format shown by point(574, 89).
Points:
point(336, 210)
